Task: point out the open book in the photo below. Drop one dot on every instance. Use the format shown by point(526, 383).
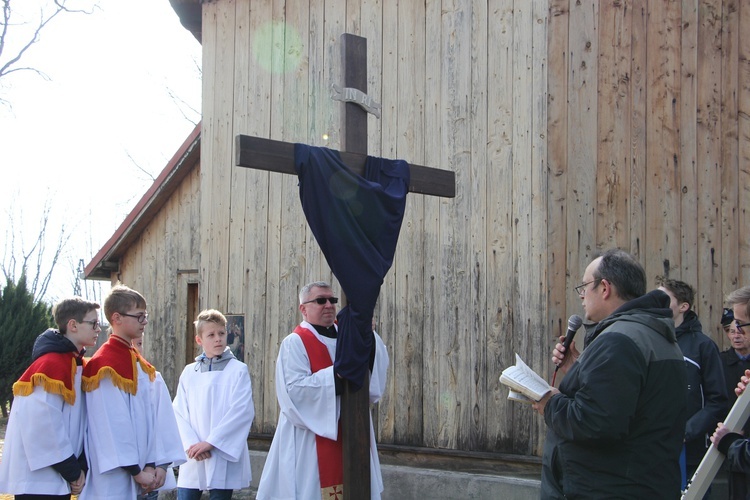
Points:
point(524, 384)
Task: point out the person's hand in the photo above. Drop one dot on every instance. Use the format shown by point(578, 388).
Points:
point(719, 433)
point(562, 360)
point(743, 383)
point(145, 479)
point(160, 475)
point(77, 486)
point(200, 451)
point(539, 405)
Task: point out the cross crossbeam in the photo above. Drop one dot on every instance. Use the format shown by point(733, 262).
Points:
point(278, 156)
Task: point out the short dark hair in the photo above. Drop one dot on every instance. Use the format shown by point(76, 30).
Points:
point(624, 272)
point(73, 308)
point(121, 299)
point(681, 291)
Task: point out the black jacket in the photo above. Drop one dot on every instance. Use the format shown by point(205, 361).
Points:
point(616, 428)
point(734, 368)
point(53, 341)
point(707, 395)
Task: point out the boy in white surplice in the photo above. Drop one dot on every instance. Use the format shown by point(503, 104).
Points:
point(214, 409)
point(43, 452)
point(129, 422)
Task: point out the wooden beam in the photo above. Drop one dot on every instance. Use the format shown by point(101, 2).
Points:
point(355, 405)
point(278, 156)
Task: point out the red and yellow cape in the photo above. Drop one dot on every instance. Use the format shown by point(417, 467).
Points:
point(116, 360)
point(55, 372)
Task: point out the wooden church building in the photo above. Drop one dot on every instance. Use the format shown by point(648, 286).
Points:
point(571, 126)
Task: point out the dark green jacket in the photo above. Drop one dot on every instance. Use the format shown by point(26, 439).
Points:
point(616, 428)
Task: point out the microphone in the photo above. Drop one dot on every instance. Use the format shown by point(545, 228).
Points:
point(574, 323)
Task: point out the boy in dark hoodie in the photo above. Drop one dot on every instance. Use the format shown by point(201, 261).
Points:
point(706, 389)
point(43, 453)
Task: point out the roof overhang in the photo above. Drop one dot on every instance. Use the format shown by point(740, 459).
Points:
point(190, 14)
point(107, 260)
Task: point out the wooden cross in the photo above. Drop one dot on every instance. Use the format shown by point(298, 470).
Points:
point(278, 156)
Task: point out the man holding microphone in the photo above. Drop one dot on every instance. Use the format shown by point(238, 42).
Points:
point(615, 427)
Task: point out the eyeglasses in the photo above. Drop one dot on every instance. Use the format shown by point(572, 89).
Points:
point(94, 324)
point(581, 289)
point(322, 300)
point(740, 326)
point(141, 317)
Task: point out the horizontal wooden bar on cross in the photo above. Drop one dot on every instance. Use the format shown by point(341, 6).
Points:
point(278, 156)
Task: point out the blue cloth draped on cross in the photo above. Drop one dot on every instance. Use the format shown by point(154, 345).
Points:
point(356, 221)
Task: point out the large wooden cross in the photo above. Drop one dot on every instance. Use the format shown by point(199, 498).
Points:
point(278, 156)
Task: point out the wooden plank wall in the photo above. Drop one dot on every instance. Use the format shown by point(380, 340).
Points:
point(161, 263)
point(572, 127)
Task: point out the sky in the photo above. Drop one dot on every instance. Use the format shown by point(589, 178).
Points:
point(121, 94)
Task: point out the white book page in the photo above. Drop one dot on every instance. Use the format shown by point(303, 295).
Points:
point(523, 379)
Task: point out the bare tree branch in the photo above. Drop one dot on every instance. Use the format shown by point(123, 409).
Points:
point(135, 163)
point(182, 105)
point(11, 64)
point(35, 261)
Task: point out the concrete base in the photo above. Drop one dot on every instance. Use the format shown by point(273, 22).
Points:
point(402, 482)
point(409, 482)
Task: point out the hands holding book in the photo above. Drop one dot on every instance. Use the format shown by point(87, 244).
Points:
point(563, 359)
point(539, 405)
point(526, 386)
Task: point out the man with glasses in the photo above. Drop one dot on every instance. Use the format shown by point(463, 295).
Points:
point(305, 458)
point(735, 360)
point(43, 454)
point(616, 425)
point(734, 445)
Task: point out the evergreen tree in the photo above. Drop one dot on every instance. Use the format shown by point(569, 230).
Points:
point(22, 319)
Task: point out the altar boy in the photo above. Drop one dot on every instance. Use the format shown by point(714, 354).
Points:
point(43, 454)
point(214, 410)
point(126, 435)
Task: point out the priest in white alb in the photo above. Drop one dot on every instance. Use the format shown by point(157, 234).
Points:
point(305, 459)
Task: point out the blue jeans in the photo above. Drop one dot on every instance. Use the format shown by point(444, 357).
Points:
point(191, 494)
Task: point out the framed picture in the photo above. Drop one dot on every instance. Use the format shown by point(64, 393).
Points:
point(236, 335)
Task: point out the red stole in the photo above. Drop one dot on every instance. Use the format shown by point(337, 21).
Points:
point(55, 372)
point(330, 453)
